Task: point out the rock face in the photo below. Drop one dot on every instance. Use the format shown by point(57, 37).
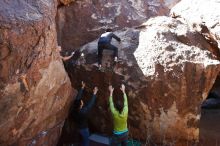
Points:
point(65, 2)
point(83, 21)
point(168, 72)
point(203, 16)
point(35, 90)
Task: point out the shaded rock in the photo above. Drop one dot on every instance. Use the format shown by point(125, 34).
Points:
point(168, 72)
point(211, 103)
point(83, 21)
point(209, 127)
point(213, 100)
point(203, 16)
point(34, 87)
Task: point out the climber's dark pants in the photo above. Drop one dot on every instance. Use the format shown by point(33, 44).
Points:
point(108, 46)
point(85, 134)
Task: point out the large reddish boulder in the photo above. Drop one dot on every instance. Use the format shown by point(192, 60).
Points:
point(83, 21)
point(35, 90)
point(168, 71)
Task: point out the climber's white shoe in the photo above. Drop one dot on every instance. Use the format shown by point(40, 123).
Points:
point(116, 59)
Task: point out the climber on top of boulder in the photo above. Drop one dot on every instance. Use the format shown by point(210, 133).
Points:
point(105, 43)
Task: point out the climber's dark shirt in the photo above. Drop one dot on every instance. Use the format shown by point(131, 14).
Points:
point(81, 116)
point(107, 37)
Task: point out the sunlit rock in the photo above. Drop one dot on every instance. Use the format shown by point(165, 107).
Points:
point(203, 16)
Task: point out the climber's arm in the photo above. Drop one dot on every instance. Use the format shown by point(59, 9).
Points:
point(92, 101)
point(79, 95)
point(125, 108)
point(116, 37)
point(111, 104)
point(65, 58)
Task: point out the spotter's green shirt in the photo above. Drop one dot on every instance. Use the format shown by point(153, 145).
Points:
point(119, 119)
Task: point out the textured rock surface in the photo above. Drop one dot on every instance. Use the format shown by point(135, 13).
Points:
point(83, 21)
point(34, 87)
point(204, 16)
point(168, 71)
point(66, 2)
